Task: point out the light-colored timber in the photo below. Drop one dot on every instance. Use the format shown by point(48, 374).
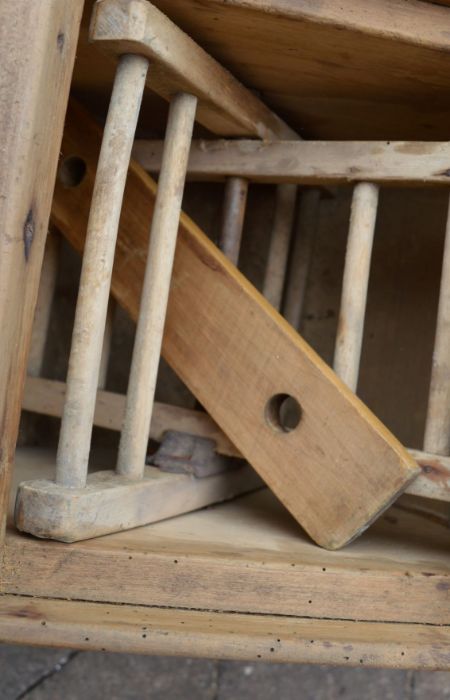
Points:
point(409, 163)
point(233, 214)
point(275, 272)
point(358, 256)
point(146, 630)
point(207, 345)
point(37, 50)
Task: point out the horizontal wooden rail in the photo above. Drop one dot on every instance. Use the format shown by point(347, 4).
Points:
point(311, 162)
point(46, 396)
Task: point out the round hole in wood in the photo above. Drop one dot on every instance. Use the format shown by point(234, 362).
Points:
point(72, 171)
point(283, 413)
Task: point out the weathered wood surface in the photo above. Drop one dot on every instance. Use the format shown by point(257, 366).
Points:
point(249, 556)
point(145, 630)
point(235, 353)
point(311, 162)
point(37, 50)
point(352, 70)
point(179, 65)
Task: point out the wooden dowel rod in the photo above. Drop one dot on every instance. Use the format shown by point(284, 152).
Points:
point(88, 332)
point(437, 427)
point(152, 312)
point(275, 273)
point(300, 259)
point(235, 200)
point(106, 347)
point(44, 302)
point(355, 283)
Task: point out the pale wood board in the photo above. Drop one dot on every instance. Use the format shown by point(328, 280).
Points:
point(349, 70)
point(37, 50)
point(245, 556)
point(145, 630)
point(393, 163)
point(235, 353)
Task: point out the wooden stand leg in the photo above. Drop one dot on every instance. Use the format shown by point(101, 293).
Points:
point(95, 282)
point(155, 293)
point(234, 204)
point(279, 244)
point(355, 283)
point(300, 261)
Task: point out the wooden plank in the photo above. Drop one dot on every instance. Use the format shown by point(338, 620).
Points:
point(312, 162)
point(180, 65)
point(236, 355)
point(244, 556)
point(38, 43)
point(145, 630)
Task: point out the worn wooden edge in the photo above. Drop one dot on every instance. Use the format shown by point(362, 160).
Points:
point(112, 503)
point(392, 163)
point(178, 64)
point(46, 396)
point(205, 634)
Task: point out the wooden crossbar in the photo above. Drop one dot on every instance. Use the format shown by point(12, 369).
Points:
point(408, 163)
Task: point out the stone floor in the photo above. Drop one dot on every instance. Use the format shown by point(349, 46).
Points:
point(51, 674)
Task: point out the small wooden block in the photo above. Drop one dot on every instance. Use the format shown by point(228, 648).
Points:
point(340, 468)
point(111, 503)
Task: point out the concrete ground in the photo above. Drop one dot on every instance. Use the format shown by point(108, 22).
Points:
point(52, 674)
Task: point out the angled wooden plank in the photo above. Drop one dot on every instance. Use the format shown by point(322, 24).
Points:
point(147, 630)
point(311, 162)
point(37, 50)
point(178, 64)
point(341, 467)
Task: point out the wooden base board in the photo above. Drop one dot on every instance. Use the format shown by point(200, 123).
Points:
point(248, 557)
point(147, 630)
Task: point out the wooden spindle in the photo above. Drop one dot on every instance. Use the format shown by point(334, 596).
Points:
point(106, 347)
point(437, 427)
point(235, 201)
point(275, 273)
point(300, 259)
point(88, 332)
point(44, 302)
point(152, 312)
point(355, 283)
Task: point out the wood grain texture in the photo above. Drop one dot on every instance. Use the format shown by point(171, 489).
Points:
point(37, 50)
point(418, 163)
point(146, 630)
point(235, 353)
point(179, 65)
point(248, 556)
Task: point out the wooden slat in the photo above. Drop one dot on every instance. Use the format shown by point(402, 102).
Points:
point(46, 396)
point(235, 353)
point(37, 49)
point(180, 65)
point(145, 630)
point(312, 162)
point(244, 556)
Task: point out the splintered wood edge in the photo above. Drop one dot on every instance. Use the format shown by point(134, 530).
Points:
point(148, 630)
point(179, 64)
point(110, 503)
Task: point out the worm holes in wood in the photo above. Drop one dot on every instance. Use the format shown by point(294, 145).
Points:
point(72, 171)
point(283, 413)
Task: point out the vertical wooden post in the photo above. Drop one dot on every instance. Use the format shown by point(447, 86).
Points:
point(155, 292)
point(355, 283)
point(302, 250)
point(37, 50)
point(106, 347)
point(279, 244)
point(437, 428)
point(44, 305)
point(235, 201)
point(95, 282)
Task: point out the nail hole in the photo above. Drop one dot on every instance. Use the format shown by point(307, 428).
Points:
point(283, 413)
point(72, 171)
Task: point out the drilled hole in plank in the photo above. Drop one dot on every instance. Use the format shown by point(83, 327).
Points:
point(283, 413)
point(72, 171)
